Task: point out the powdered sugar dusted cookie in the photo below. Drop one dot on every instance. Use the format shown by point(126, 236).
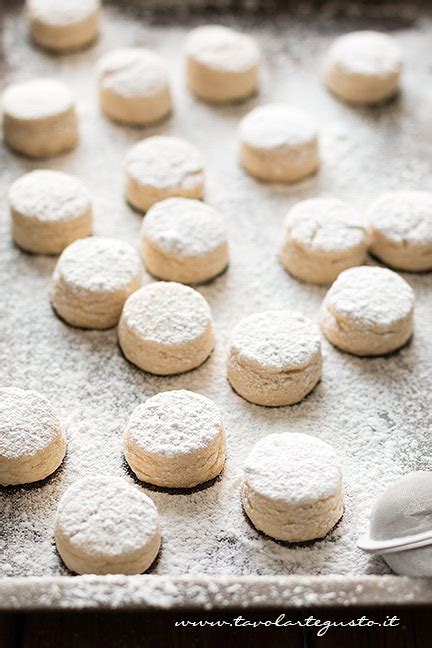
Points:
point(92, 280)
point(39, 118)
point(400, 229)
point(134, 86)
point(62, 25)
point(162, 167)
point(166, 328)
point(184, 240)
point(278, 143)
point(363, 67)
point(106, 525)
point(175, 439)
point(49, 210)
point(368, 311)
point(221, 63)
point(322, 237)
point(292, 487)
point(32, 439)
point(274, 358)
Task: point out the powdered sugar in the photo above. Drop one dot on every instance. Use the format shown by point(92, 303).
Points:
point(374, 411)
point(106, 515)
point(28, 423)
point(132, 72)
point(62, 12)
point(275, 126)
point(167, 313)
point(293, 468)
point(325, 225)
point(47, 196)
point(403, 216)
point(37, 99)
point(278, 340)
point(222, 48)
point(98, 264)
point(175, 423)
point(370, 297)
point(183, 226)
point(167, 162)
point(366, 53)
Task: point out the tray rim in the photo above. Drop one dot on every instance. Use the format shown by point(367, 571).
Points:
point(153, 592)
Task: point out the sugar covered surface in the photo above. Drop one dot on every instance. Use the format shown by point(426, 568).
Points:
point(276, 125)
point(185, 227)
point(175, 422)
point(403, 216)
point(375, 412)
point(28, 423)
point(107, 517)
point(66, 12)
point(167, 313)
point(370, 298)
point(132, 72)
point(222, 49)
point(325, 225)
point(49, 196)
point(38, 98)
point(164, 162)
point(98, 264)
point(279, 340)
point(293, 469)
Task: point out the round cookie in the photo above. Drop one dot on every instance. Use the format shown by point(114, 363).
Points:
point(184, 240)
point(92, 280)
point(106, 525)
point(32, 439)
point(162, 167)
point(175, 439)
point(400, 229)
point(166, 328)
point(322, 237)
point(274, 358)
point(62, 25)
point(39, 118)
point(221, 64)
point(49, 210)
point(368, 311)
point(292, 487)
point(363, 67)
point(133, 86)
point(278, 143)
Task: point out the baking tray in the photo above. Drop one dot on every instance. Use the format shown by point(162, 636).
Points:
point(376, 412)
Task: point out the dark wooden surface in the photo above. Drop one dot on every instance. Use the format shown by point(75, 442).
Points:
point(157, 630)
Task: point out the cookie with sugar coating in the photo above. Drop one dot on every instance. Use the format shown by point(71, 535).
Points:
point(184, 240)
point(292, 487)
point(175, 439)
point(162, 167)
point(274, 358)
point(363, 67)
point(278, 143)
point(106, 525)
point(92, 280)
point(222, 64)
point(321, 238)
point(32, 438)
point(134, 86)
point(39, 118)
point(166, 328)
point(62, 25)
point(49, 210)
point(368, 311)
point(399, 225)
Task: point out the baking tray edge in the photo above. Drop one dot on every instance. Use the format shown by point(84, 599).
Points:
point(209, 593)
